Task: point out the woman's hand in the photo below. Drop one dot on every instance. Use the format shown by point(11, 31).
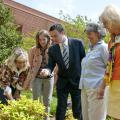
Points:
point(26, 85)
point(100, 93)
point(9, 96)
point(101, 90)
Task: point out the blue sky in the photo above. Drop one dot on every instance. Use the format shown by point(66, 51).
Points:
point(89, 8)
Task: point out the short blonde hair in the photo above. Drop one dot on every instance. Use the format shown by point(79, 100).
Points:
point(10, 62)
point(111, 17)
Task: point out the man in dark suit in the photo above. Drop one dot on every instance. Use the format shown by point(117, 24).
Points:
point(67, 53)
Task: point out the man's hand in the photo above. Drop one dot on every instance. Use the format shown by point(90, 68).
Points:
point(45, 73)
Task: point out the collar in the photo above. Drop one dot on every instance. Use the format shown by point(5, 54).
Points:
point(65, 42)
point(91, 47)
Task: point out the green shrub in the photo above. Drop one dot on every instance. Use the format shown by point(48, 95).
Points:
point(24, 109)
point(9, 36)
point(53, 106)
point(28, 42)
point(27, 94)
point(69, 115)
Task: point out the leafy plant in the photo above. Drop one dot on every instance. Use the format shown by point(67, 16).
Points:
point(9, 36)
point(53, 106)
point(69, 115)
point(24, 109)
point(28, 42)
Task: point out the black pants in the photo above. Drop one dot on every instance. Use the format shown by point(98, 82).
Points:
point(62, 97)
point(3, 98)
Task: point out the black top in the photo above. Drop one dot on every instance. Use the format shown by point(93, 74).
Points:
point(3, 98)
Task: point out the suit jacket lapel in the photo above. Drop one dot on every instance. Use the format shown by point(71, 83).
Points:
point(70, 54)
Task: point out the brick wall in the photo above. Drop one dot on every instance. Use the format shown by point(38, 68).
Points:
point(28, 19)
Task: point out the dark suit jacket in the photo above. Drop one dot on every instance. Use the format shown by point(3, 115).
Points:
point(76, 54)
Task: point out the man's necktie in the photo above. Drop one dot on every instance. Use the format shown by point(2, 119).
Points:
point(65, 56)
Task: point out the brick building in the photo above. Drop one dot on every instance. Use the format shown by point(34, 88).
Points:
point(30, 20)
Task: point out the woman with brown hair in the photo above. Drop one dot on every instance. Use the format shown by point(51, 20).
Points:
point(42, 87)
point(111, 21)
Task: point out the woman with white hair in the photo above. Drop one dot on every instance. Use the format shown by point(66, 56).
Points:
point(13, 74)
point(110, 18)
point(93, 69)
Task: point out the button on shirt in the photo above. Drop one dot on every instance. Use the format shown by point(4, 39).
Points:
point(94, 66)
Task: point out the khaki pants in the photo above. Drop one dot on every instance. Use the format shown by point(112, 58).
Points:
point(92, 108)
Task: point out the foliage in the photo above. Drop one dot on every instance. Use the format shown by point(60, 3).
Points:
point(9, 37)
point(53, 106)
point(107, 38)
point(69, 115)
point(75, 27)
point(24, 109)
point(28, 42)
point(27, 93)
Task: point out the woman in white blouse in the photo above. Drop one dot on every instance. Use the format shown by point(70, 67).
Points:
point(93, 69)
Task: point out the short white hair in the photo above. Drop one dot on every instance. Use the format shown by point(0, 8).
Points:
point(111, 16)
